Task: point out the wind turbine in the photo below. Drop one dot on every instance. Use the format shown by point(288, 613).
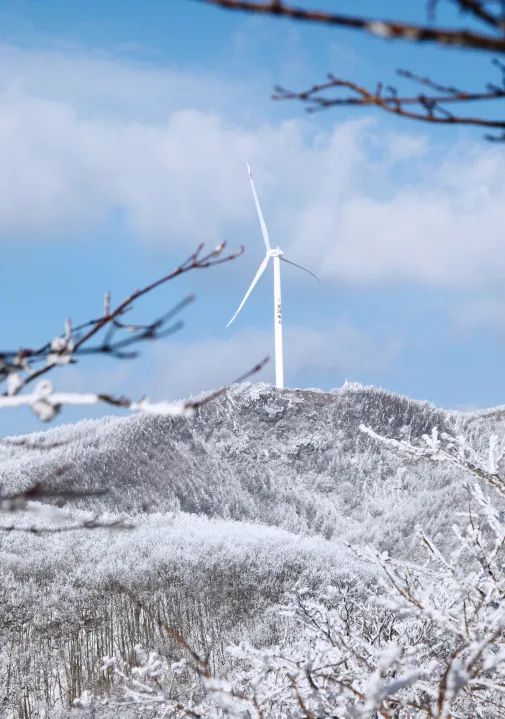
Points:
point(275, 254)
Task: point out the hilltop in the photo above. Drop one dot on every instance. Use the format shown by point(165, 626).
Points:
point(293, 459)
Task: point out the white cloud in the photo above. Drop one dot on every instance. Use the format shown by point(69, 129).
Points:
point(59, 170)
point(445, 229)
point(81, 139)
point(101, 86)
point(398, 146)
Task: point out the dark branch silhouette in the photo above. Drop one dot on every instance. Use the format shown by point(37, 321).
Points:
point(479, 10)
point(186, 407)
point(93, 523)
point(436, 105)
point(391, 29)
point(15, 501)
point(427, 107)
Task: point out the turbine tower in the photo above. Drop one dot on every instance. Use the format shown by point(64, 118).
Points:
point(276, 255)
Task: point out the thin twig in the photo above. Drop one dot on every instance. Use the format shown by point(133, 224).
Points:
point(429, 105)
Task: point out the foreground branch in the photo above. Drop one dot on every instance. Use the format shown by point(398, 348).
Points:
point(93, 523)
point(426, 107)
point(391, 29)
point(15, 501)
point(31, 501)
point(431, 107)
point(46, 403)
point(17, 366)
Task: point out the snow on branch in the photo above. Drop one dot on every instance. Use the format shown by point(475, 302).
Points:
point(455, 450)
point(46, 403)
point(21, 367)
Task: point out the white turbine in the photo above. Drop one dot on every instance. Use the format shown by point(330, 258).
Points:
point(277, 255)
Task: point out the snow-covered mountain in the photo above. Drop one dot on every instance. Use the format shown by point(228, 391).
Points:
point(259, 491)
point(293, 459)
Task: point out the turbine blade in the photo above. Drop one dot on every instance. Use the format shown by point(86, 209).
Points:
point(258, 274)
point(264, 230)
point(299, 267)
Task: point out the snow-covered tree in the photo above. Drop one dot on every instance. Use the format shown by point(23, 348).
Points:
point(424, 639)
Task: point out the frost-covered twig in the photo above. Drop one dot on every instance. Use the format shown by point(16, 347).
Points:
point(46, 403)
point(19, 368)
point(454, 450)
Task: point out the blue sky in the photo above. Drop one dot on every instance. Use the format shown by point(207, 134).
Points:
point(123, 131)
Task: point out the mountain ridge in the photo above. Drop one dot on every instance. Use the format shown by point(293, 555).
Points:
point(292, 458)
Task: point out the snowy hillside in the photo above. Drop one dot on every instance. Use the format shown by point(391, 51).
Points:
point(260, 491)
point(293, 459)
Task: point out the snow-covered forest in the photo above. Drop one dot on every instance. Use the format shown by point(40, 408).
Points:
point(346, 558)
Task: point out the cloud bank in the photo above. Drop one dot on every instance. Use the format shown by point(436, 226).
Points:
point(356, 202)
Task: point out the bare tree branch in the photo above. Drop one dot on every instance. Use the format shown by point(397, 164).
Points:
point(195, 404)
point(64, 349)
point(46, 403)
point(427, 108)
point(431, 107)
point(93, 523)
point(478, 10)
point(391, 29)
point(22, 502)
point(15, 501)
point(16, 365)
